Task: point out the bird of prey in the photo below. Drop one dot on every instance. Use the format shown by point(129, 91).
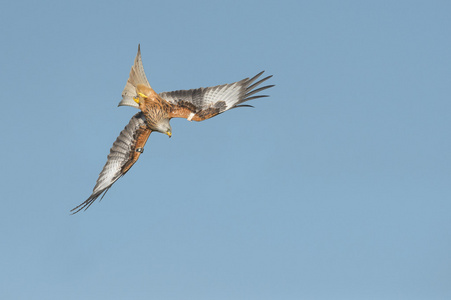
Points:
point(156, 110)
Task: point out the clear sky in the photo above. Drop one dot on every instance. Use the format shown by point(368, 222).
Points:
point(335, 187)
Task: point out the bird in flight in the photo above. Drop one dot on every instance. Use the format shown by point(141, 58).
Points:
point(156, 110)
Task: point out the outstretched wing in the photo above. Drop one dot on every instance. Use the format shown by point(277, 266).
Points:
point(125, 152)
point(203, 103)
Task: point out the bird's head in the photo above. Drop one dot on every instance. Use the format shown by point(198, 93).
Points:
point(164, 127)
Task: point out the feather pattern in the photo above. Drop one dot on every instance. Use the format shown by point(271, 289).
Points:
point(137, 76)
point(123, 154)
point(157, 110)
point(203, 103)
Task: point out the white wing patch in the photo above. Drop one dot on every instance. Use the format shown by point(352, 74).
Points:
point(190, 117)
point(228, 93)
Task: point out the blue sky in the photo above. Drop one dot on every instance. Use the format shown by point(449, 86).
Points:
point(335, 187)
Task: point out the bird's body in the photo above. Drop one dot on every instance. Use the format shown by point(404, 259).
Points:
point(156, 112)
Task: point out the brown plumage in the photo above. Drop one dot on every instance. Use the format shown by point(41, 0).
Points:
point(142, 134)
point(157, 110)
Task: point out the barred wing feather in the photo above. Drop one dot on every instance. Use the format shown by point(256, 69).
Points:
point(124, 153)
point(203, 103)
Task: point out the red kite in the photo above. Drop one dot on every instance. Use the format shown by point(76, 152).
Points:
point(156, 112)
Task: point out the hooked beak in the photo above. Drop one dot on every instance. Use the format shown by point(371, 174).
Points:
point(169, 133)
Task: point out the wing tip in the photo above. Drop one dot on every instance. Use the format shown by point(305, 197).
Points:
point(243, 105)
point(88, 202)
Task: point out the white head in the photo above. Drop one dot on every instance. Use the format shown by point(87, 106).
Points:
point(163, 126)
